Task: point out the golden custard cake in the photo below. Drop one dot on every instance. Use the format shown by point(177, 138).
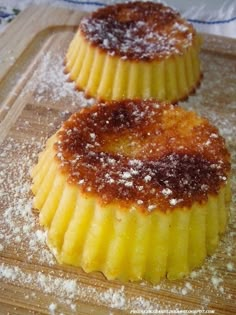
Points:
point(135, 50)
point(134, 189)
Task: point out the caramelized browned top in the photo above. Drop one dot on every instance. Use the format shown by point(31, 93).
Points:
point(138, 30)
point(143, 153)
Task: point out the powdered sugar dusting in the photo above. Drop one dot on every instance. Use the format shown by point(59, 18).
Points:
point(50, 84)
point(21, 234)
point(211, 100)
point(185, 175)
point(22, 237)
point(140, 30)
point(18, 223)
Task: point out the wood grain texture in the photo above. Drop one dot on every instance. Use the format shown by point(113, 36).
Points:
point(34, 99)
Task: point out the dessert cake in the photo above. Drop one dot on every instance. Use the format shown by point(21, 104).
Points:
point(135, 50)
point(134, 189)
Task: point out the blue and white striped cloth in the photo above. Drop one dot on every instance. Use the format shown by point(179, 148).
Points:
point(212, 16)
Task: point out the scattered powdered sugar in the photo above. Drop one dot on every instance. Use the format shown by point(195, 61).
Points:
point(166, 191)
point(216, 281)
point(20, 228)
point(50, 84)
point(230, 266)
point(52, 307)
point(18, 223)
point(173, 201)
point(129, 32)
point(67, 290)
point(116, 298)
point(21, 235)
point(208, 97)
point(25, 240)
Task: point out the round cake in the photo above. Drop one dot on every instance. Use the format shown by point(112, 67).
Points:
point(134, 189)
point(135, 50)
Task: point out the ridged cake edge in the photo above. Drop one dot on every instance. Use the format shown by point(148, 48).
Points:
point(125, 245)
point(108, 77)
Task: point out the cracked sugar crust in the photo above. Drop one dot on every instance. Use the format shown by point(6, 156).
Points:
point(141, 153)
point(138, 30)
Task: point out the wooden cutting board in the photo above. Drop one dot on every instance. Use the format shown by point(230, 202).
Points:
point(34, 99)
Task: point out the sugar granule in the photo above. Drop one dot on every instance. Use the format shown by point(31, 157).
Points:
point(52, 307)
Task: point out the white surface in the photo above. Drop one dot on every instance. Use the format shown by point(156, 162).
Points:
point(211, 16)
